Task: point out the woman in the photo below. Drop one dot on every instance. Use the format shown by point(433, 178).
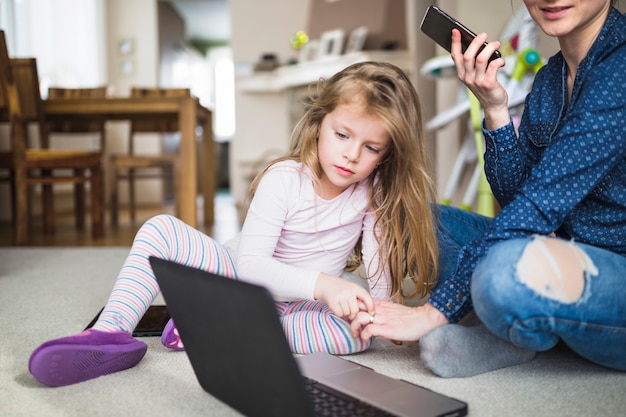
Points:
point(551, 265)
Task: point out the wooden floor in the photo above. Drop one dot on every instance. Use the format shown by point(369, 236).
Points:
point(226, 226)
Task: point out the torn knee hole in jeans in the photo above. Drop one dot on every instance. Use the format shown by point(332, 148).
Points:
point(555, 269)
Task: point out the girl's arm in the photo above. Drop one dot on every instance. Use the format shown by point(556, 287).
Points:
point(259, 254)
point(262, 228)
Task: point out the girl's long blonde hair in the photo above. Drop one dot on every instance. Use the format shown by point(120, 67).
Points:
point(403, 196)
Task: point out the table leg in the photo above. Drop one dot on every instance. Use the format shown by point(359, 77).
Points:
point(186, 178)
point(208, 171)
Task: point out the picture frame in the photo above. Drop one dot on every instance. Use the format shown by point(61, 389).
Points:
point(126, 47)
point(356, 41)
point(309, 51)
point(127, 67)
point(331, 43)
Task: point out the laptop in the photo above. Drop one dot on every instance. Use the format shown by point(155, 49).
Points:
point(238, 351)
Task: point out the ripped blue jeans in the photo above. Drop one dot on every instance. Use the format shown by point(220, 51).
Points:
point(538, 290)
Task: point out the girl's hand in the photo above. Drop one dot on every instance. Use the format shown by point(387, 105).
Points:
point(480, 76)
point(343, 297)
point(397, 322)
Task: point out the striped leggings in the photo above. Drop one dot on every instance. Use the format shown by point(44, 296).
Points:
point(309, 325)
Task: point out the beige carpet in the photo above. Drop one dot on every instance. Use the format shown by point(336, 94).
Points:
point(48, 293)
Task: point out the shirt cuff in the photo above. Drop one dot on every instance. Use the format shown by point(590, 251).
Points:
point(507, 138)
point(452, 299)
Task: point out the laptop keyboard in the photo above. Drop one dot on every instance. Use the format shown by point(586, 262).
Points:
point(329, 402)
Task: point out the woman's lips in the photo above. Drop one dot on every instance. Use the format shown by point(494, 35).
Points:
point(554, 12)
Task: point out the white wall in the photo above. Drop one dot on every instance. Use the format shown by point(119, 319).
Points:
point(257, 30)
point(136, 21)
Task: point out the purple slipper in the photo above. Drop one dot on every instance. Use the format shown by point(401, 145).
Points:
point(170, 337)
point(84, 356)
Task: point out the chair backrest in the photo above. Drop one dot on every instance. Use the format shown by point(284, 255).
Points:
point(154, 125)
point(74, 125)
point(159, 92)
point(10, 102)
point(160, 125)
point(62, 92)
point(27, 80)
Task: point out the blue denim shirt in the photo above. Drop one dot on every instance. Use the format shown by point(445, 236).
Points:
point(566, 173)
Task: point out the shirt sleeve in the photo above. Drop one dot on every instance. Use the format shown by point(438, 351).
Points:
point(259, 236)
point(504, 165)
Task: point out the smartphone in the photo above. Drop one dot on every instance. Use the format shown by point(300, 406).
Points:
point(438, 25)
point(151, 324)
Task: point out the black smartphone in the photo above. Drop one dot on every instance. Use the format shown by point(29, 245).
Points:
point(151, 324)
point(438, 25)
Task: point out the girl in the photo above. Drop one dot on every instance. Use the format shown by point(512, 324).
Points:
point(551, 265)
point(355, 177)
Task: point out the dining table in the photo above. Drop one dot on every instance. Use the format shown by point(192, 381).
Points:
point(189, 113)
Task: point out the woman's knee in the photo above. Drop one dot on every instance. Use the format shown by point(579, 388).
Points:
point(496, 273)
point(549, 267)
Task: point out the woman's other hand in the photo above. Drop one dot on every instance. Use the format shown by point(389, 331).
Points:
point(397, 322)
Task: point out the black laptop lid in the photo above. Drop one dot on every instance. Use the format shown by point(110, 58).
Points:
point(234, 340)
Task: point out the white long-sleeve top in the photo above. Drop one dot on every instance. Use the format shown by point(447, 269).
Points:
point(291, 235)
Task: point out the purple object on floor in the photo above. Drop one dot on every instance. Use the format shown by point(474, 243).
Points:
point(170, 337)
point(84, 356)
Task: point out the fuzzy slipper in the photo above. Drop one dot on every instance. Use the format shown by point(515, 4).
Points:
point(84, 356)
point(170, 337)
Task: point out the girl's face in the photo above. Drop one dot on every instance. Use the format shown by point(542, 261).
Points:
point(563, 18)
point(350, 145)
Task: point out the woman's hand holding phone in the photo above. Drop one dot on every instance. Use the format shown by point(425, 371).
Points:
point(479, 73)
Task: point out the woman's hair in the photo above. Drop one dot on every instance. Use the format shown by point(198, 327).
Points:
point(403, 192)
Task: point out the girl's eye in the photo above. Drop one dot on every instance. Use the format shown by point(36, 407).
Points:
point(372, 149)
point(341, 135)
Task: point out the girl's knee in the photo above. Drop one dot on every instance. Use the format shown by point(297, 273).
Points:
point(158, 222)
point(161, 219)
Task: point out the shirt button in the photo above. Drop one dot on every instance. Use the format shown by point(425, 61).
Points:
point(459, 296)
point(449, 304)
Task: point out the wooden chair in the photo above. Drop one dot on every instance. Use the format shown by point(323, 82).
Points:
point(77, 126)
point(132, 166)
point(29, 166)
